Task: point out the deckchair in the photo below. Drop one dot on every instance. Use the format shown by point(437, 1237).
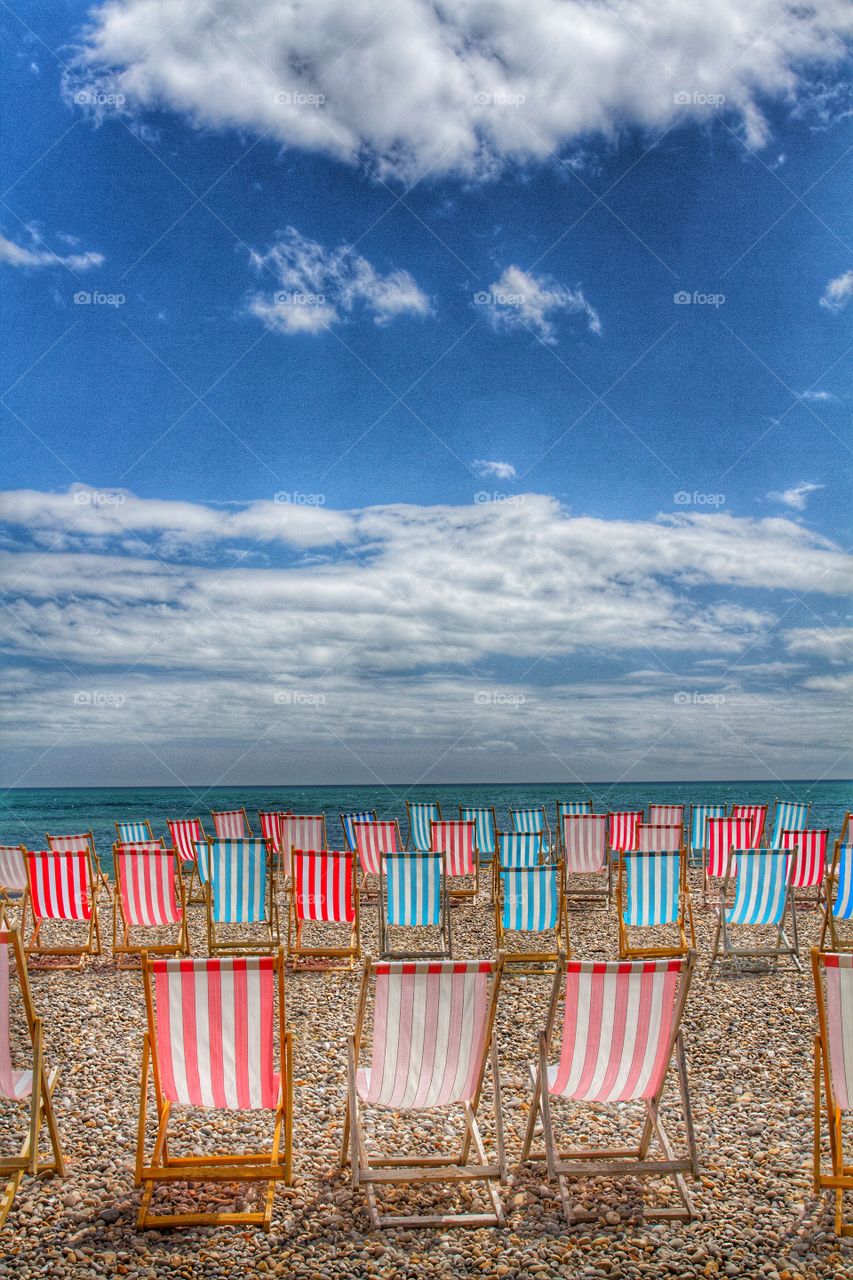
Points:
point(145, 898)
point(531, 900)
point(666, 815)
point(456, 840)
point(82, 840)
point(809, 860)
point(186, 835)
point(240, 891)
point(422, 814)
point(306, 831)
point(621, 1027)
point(516, 849)
point(270, 824)
point(652, 891)
point(348, 821)
point(838, 894)
point(655, 837)
point(33, 1083)
point(529, 819)
point(583, 841)
point(372, 839)
point(833, 1073)
point(572, 808)
point(413, 895)
point(63, 886)
point(788, 815)
point(723, 835)
point(13, 877)
point(623, 830)
point(324, 892)
point(231, 824)
point(433, 1031)
point(699, 815)
point(757, 814)
point(133, 832)
point(209, 1043)
point(485, 828)
point(763, 898)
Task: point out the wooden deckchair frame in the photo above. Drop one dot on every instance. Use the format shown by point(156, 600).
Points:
point(481, 808)
point(122, 945)
point(143, 822)
point(520, 960)
point(840, 1179)
point(92, 945)
point(101, 878)
point(385, 949)
point(410, 838)
point(837, 942)
point(248, 834)
point(579, 1162)
point(786, 948)
point(627, 948)
point(40, 1101)
point(20, 902)
point(393, 1170)
point(603, 896)
point(318, 957)
point(458, 896)
point(270, 1167)
point(217, 946)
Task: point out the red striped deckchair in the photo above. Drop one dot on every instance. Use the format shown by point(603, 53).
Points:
point(433, 1031)
point(185, 833)
point(231, 824)
point(583, 841)
point(372, 839)
point(63, 886)
point(666, 815)
point(210, 1043)
point(623, 830)
point(757, 815)
point(13, 877)
point(457, 839)
point(833, 1073)
point(621, 1027)
point(306, 831)
point(145, 899)
point(658, 837)
point(33, 1084)
point(723, 835)
point(270, 820)
point(82, 840)
point(810, 860)
point(324, 892)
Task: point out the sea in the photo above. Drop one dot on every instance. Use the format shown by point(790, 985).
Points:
point(26, 815)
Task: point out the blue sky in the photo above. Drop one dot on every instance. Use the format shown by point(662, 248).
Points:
point(515, 370)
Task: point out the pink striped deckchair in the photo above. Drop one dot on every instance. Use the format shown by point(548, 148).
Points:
point(63, 886)
point(210, 1043)
point(231, 824)
point(659, 837)
point(33, 1084)
point(306, 831)
point(372, 839)
point(433, 1031)
point(621, 1026)
point(666, 815)
point(185, 834)
point(623, 828)
point(723, 835)
point(456, 839)
point(810, 861)
point(82, 840)
point(145, 898)
point(324, 892)
point(757, 815)
point(833, 1073)
point(13, 877)
point(583, 842)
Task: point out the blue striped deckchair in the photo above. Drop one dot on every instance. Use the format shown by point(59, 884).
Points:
point(839, 906)
point(422, 814)
point(413, 895)
point(239, 891)
point(134, 832)
point(485, 828)
point(788, 815)
point(571, 809)
point(699, 815)
point(531, 818)
point(347, 821)
point(763, 898)
point(520, 849)
point(531, 900)
point(652, 891)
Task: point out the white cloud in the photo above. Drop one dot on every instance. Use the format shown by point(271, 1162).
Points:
point(821, 396)
point(16, 255)
point(797, 496)
point(833, 644)
point(317, 287)
point(458, 88)
point(521, 300)
point(500, 470)
point(838, 292)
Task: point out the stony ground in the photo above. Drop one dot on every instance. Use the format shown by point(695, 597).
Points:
point(749, 1043)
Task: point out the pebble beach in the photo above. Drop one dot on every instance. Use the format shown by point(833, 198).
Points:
point(749, 1046)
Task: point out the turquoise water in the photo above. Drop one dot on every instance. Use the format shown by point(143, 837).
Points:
point(25, 815)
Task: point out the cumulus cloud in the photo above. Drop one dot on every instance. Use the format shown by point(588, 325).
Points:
point(834, 644)
point(16, 255)
point(457, 88)
point(797, 496)
point(522, 300)
point(317, 287)
point(500, 470)
point(838, 292)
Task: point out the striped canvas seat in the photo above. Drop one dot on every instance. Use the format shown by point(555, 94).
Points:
point(724, 835)
point(623, 829)
point(306, 831)
point(666, 815)
point(84, 840)
point(653, 888)
point(699, 815)
point(571, 808)
point(422, 814)
point(842, 905)
point(186, 834)
point(348, 821)
point(756, 815)
point(134, 832)
point(529, 899)
point(530, 819)
point(839, 1012)
point(519, 849)
point(372, 839)
point(789, 815)
point(270, 823)
point(60, 885)
point(810, 859)
point(584, 843)
point(456, 840)
point(140, 846)
point(485, 828)
point(146, 883)
point(237, 871)
point(13, 869)
point(414, 888)
point(323, 886)
point(659, 837)
point(14, 1083)
point(833, 1069)
point(761, 888)
point(230, 824)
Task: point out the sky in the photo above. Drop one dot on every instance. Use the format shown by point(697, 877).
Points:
point(401, 393)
